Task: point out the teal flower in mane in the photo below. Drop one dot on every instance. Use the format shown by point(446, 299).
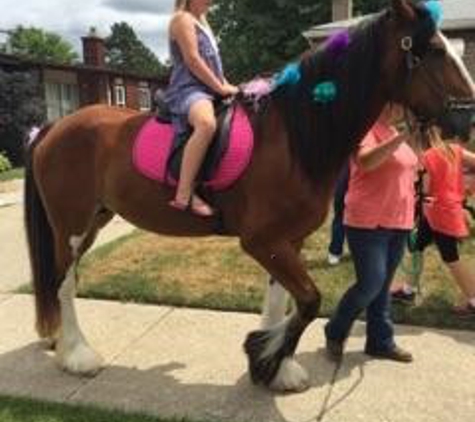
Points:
point(325, 92)
point(434, 7)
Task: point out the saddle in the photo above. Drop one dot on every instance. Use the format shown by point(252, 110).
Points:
point(224, 110)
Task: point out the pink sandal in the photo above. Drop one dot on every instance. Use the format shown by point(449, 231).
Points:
point(200, 210)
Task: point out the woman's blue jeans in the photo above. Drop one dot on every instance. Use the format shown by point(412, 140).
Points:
point(376, 254)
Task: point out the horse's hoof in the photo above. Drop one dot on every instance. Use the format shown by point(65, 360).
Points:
point(291, 377)
point(82, 360)
point(263, 366)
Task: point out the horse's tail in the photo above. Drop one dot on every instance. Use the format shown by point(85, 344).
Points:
point(41, 245)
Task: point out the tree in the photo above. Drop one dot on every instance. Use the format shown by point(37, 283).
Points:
point(21, 107)
point(41, 45)
point(125, 52)
point(363, 7)
point(261, 36)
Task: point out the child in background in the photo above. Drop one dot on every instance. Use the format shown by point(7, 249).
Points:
point(444, 218)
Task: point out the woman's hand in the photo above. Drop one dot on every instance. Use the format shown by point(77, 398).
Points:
point(228, 90)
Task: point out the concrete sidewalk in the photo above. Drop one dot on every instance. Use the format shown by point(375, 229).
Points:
point(189, 363)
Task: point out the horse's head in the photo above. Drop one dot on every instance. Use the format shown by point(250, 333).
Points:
point(422, 70)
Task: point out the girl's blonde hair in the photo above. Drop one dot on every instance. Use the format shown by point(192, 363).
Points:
point(434, 139)
point(184, 5)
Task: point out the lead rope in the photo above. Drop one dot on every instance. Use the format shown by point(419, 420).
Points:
point(415, 267)
point(417, 258)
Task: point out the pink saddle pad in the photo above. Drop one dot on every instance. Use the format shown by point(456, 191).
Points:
point(153, 144)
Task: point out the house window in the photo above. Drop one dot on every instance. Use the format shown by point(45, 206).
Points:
point(109, 95)
point(61, 99)
point(119, 95)
point(145, 97)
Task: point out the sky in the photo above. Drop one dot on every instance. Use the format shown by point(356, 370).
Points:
point(72, 18)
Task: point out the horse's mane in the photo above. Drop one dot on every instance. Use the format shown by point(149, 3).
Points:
point(322, 136)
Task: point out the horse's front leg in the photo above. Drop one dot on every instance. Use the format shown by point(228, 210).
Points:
point(271, 349)
point(276, 300)
point(275, 304)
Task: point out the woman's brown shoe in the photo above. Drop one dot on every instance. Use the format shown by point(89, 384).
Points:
point(335, 349)
point(397, 354)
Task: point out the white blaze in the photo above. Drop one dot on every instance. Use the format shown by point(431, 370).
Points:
point(458, 61)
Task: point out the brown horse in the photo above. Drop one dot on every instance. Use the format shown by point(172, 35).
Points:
point(80, 174)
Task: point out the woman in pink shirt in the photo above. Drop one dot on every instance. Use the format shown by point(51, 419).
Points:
point(444, 220)
point(379, 213)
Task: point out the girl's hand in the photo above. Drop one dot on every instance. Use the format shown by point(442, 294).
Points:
point(228, 90)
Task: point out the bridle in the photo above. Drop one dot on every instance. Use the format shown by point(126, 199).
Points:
point(463, 107)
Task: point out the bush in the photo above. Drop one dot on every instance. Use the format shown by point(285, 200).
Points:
point(4, 163)
point(21, 107)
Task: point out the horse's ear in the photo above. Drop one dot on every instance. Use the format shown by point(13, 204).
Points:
point(404, 10)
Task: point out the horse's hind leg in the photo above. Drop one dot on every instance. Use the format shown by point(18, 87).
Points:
point(74, 353)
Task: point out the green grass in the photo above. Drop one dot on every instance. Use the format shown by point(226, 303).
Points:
point(26, 410)
point(16, 173)
point(214, 273)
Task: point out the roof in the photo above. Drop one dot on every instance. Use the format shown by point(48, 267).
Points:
point(13, 60)
point(458, 15)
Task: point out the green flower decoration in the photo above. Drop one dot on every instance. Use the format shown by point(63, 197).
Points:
point(324, 92)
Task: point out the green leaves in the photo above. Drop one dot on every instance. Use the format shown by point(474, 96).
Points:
point(38, 44)
point(127, 53)
point(262, 36)
point(21, 107)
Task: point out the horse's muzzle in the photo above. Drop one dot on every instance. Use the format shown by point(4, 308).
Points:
point(458, 119)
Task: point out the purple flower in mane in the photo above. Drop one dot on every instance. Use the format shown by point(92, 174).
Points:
point(338, 43)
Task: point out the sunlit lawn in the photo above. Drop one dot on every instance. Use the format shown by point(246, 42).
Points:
point(16, 173)
point(214, 273)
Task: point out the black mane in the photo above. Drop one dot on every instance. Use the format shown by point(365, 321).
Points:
point(322, 136)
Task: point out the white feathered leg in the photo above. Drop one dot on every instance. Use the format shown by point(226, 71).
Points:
point(73, 351)
point(275, 305)
point(290, 376)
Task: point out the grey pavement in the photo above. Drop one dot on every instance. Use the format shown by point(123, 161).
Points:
point(174, 362)
point(14, 267)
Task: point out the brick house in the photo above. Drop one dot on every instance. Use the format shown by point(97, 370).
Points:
point(458, 25)
point(69, 87)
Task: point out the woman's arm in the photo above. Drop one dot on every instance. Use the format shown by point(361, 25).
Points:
point(371, 157)
point(183, 31)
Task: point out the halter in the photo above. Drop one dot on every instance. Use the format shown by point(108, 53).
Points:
point(452, 106)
